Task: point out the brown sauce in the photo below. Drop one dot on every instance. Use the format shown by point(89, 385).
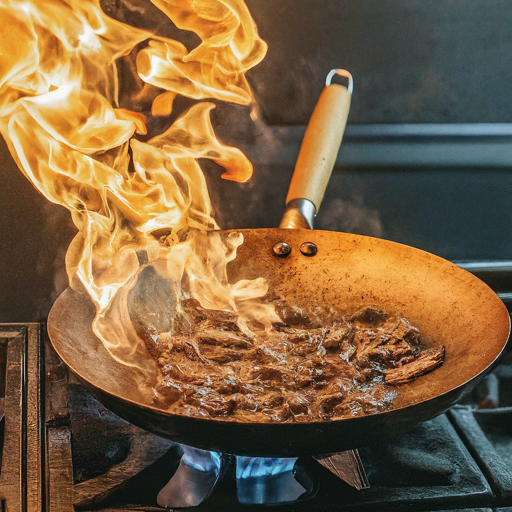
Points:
point(310, 368)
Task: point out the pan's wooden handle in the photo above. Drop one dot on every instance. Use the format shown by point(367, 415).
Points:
point(320, 145)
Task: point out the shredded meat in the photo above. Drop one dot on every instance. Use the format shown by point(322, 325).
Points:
point(312, 367)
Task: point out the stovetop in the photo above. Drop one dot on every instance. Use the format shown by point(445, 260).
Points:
point(63, 451)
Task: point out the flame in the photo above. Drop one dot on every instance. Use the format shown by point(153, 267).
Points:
point(60, 116)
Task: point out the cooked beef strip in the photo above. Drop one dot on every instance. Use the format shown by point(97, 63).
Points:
point(302, 370)
point(225, 338)
point(377, 399)
point(427, 361)
point(338, 336)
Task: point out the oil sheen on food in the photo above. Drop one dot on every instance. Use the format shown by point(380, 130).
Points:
point(316, 365)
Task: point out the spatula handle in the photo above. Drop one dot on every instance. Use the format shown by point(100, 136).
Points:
point(320, 145)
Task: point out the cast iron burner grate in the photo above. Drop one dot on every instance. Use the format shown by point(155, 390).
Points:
point(21, 435)
point(96, 461)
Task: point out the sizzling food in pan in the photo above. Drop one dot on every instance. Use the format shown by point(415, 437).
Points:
point(316, 366)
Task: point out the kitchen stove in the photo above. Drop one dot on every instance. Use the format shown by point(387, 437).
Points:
point(63, 451)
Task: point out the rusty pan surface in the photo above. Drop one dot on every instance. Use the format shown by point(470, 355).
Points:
point(450, 306)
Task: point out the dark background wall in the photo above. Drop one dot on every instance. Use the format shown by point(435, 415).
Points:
point(413, 61)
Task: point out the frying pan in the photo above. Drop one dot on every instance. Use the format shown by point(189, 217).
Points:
point(450, 306)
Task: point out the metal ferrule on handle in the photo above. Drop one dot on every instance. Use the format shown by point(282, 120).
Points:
point(318, 153)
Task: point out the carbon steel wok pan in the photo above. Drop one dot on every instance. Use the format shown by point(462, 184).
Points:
point(449, 305)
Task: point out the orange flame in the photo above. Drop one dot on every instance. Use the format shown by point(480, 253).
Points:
point(58, 93)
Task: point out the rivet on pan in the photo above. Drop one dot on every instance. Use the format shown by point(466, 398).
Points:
point(308, 249)
point(282, 249)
